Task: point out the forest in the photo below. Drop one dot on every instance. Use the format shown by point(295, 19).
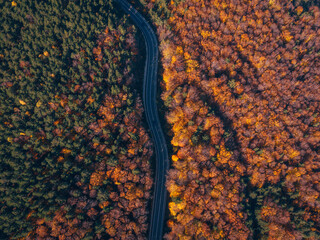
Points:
point(74, 150)
point(240, 85)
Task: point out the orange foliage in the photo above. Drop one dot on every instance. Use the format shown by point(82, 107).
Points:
point(240, 81)
point(97, 178)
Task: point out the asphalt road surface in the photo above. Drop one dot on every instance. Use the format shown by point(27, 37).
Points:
point(150, 106)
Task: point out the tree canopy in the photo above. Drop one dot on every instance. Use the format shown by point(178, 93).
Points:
point(74, 154)
point(241, 88)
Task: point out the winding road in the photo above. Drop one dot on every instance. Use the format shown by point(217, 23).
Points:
point(150, 105)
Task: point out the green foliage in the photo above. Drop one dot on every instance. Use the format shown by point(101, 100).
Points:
point(254, 201)
point(232, 83)
point(46, 53)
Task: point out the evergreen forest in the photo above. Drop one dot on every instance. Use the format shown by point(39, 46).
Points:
point(74, 153)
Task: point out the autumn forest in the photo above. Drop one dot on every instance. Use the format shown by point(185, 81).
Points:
point(239, 96)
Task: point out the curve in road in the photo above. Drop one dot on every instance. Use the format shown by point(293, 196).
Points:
point(149, 100)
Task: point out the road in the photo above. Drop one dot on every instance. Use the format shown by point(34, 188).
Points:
point(150, 106)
